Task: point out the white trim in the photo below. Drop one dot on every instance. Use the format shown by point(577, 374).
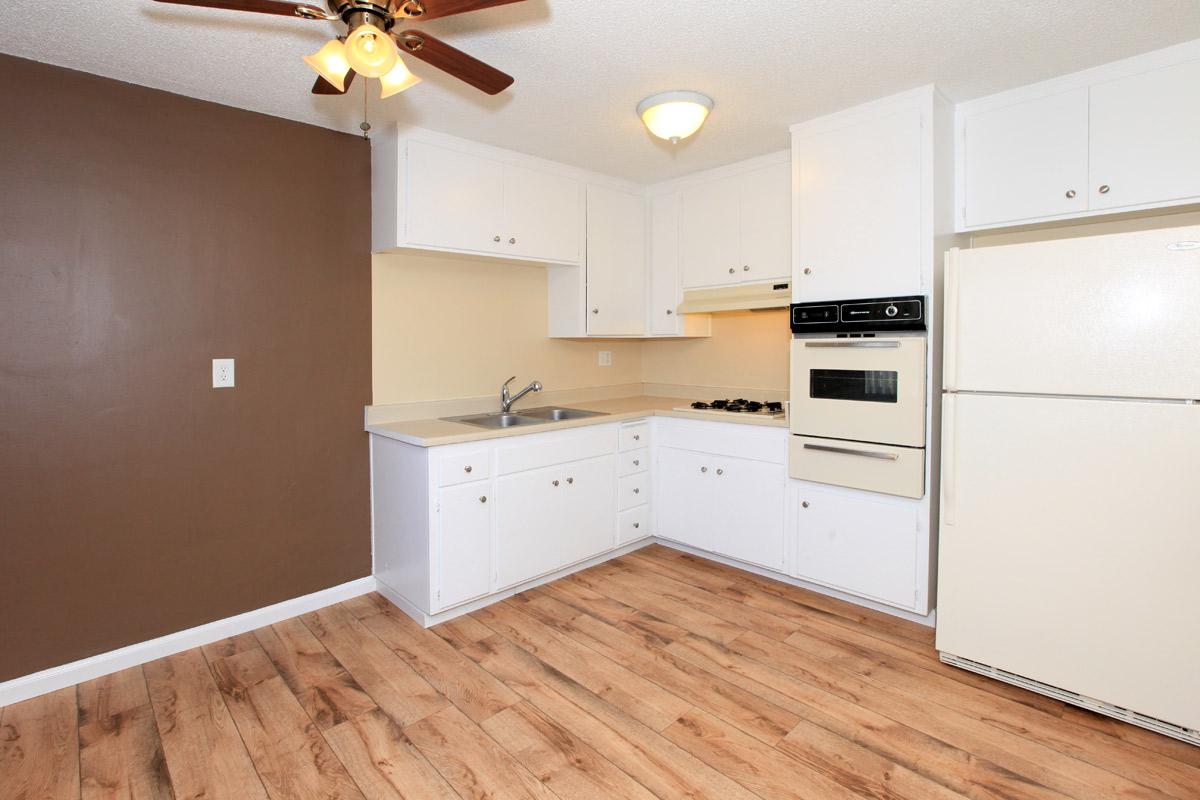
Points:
point(49, 680)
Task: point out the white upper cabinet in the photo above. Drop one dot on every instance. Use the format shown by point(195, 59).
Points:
point(541, 214)
point(438, 193)
point(1145, 138)
point(665, 289)
point(864, 199)
point(616, 262)
point(734, 225)
point(1027, 160)
point(456, 200)
point(1120, 137)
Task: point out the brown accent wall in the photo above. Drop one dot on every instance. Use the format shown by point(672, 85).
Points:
point(141, 235)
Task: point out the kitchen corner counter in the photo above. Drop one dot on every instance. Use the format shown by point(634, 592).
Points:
point(434, 432)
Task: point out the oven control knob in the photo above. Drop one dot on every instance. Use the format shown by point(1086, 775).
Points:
point(891, 311)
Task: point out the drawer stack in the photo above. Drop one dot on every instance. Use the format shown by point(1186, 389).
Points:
point(633, 482)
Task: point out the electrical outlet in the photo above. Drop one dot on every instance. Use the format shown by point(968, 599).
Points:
point(222, 373)
point(606, 358)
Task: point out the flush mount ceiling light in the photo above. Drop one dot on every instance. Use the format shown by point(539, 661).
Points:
point(674, 116)
point(371, 46)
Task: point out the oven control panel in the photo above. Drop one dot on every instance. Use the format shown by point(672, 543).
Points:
point(872, 315)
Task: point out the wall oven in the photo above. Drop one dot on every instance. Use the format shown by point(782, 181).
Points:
point(858, 394)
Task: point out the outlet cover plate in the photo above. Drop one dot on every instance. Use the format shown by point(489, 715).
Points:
point(222, 373)
point(606, 358)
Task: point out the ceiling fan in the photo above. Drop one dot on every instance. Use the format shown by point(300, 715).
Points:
point(371, 47)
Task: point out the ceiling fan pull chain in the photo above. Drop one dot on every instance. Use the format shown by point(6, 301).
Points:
point(365, 126)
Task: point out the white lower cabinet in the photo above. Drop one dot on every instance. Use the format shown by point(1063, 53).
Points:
point(858, 542)
point(464, 543)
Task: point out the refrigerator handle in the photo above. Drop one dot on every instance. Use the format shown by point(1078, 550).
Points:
point(950, 343)
point(949, 459)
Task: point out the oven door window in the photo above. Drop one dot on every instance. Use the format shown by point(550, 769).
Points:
point(864, 385)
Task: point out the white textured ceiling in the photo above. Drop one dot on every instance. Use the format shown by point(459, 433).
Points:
point(582, 65)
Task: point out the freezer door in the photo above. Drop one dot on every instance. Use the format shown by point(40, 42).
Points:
point(1070, 546)
point(1108, 316)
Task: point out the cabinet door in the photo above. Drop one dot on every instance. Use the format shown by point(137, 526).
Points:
point(684, 501)
point(765, 197)
point(859, 210)
point(708, 233)
point(454, 200)
point(1026, 161)
point(749, 510)
point(531, 534)
point(1145, 138)
point(464, 544)
point(665, 292)
point(616, 262)
point(590, 511)
point(859, 543)
point(541, 215)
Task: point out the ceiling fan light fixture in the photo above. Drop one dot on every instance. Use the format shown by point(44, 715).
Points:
point(330, 63)
point(397, 80)
point(675, 115)
point(370, 51)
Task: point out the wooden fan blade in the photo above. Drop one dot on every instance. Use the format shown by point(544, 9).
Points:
point(433, 9)
point(260, 6)
point(436, 53)
point(323, 86)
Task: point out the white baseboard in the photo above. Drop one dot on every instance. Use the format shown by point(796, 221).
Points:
point(49, 680)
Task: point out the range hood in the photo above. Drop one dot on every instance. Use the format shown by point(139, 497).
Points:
point(743, 297)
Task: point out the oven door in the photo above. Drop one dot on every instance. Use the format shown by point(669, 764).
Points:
point(867, 390)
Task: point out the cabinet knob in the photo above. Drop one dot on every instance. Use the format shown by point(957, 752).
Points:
point(731, 270)
point(1104, 189)
point(808, 270)
point(513, 240)
point(495, 238)
point(704, 469)
point(669, 312)
point(595, 311)
point(720, 472)
point(554, 482)
point(637, 437)
point(1070, 193)
point(637, 462)
point(637, 490)
point(483, 498)
point(804, 504)
point(570, 480)
point(637, 524)
point(467, 468)
point(745, 268)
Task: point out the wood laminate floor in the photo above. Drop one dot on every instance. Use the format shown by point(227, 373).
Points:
point(657, 674)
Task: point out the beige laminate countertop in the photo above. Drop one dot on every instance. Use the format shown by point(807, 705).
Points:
point(434, 432)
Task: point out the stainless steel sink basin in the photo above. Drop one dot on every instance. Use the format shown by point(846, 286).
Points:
point(557, 414)
point(497, 420)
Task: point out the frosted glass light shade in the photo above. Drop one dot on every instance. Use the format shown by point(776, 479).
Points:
point(330, 63)
point(674, 116)
point(370, 51)
point(397, 80)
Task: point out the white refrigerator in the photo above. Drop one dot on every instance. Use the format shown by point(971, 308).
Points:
point(1069, 549)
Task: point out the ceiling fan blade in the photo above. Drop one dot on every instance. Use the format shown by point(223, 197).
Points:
point(302, 10)
point(436, 53)
point(323, 86)
point(433, 9)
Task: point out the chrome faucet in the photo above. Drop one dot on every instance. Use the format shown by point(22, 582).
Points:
point(507, 400)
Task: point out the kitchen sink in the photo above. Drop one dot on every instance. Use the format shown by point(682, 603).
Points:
point(498, 420)
point(553, 413)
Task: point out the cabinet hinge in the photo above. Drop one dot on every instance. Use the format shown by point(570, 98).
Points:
point(438, 595)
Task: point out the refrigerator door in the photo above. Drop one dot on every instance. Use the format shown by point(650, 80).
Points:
point(1108, 316)
point(1070, 546)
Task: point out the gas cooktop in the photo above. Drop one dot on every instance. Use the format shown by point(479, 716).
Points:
point(739, 406)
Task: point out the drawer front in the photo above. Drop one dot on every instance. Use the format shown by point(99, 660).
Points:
point(873, 467)
point(633, 461)
point(633, 490)
point(635, 436)
point(757, 443)
point(463, 467)
point(555, 448)
point(633, 524)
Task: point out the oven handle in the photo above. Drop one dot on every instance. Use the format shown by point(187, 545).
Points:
point(856, 343)
point(846, 451)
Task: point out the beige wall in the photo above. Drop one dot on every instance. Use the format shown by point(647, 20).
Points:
point(748, 349)
point(448, 327)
